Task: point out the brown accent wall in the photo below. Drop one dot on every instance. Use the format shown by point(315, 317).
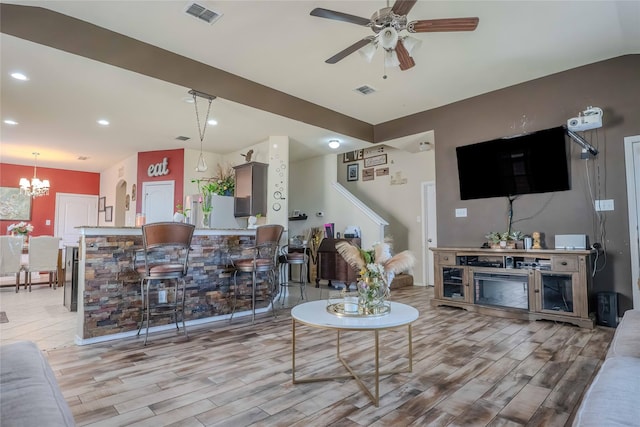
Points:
point(612, 85)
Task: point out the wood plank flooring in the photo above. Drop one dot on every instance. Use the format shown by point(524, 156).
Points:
point(469, 370)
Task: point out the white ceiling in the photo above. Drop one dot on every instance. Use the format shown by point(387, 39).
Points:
point(278, 44)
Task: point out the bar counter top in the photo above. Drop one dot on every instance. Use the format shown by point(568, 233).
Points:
point(109, 297)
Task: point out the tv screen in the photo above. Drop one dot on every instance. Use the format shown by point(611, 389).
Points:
point(533, 163)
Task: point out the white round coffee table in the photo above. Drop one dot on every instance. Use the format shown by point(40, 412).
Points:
point(315, 314)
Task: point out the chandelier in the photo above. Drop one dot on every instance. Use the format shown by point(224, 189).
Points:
point(35, 187)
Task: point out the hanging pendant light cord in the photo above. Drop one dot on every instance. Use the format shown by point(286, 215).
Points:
point(203, 129)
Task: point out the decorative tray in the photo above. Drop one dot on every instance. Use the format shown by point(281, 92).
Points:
point(347, 306)
point(338, 309)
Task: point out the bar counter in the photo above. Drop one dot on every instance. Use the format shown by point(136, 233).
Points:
point(109, 300)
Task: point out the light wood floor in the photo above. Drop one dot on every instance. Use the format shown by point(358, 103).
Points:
point(468, 370)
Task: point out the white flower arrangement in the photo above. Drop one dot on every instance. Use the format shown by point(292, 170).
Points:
point(20, 228)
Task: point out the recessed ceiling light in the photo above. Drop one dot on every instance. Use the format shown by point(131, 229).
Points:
point(19, 76)
point(10, 122)
point(103, 122)
point(212, 122)
point(334, 143)
point(188, 99)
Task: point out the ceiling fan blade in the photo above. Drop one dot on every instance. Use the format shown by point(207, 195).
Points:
point(402, 7)
point(439, 25)
point(348, 51)
point(339, 16)
point(406, 61)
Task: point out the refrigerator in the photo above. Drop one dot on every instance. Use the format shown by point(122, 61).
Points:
point(221, 216)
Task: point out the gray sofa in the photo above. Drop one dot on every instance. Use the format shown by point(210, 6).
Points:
point(29, 392)
point(613, 398)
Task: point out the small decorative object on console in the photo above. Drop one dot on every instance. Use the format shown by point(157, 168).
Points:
point(22, 228)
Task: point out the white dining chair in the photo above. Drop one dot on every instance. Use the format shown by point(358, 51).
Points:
point(43, 256)
point(10, 257)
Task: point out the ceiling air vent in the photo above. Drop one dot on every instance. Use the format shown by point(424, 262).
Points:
point(202, 13)
point(365, 90)
point(182, 138)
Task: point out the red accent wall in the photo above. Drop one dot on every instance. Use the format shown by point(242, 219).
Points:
point(43, 208)
point(175, 159)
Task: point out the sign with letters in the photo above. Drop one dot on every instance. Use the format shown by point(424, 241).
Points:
point(159, 169)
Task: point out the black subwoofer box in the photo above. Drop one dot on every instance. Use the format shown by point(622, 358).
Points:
point(607, 314)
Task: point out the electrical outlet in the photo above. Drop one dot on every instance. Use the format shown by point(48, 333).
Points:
point(604, 205)
point(461, 212)
point(162, 296)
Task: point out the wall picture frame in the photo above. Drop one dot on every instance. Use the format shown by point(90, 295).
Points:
point(380, 159)
point(108, 214)
point(102, 201)
point(352, 172)
point(368, 174)
point(13, 205)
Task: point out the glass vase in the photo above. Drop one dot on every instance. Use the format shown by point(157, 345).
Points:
point(206, 219)
point(372, 295)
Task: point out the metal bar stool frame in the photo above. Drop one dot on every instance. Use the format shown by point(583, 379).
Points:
point(294, 258)
point(162, 240)
point(264, 259)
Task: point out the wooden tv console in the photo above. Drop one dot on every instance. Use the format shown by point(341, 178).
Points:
point(516, 283)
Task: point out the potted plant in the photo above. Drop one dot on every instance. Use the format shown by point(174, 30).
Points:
point(504, 240)
point(181, 213)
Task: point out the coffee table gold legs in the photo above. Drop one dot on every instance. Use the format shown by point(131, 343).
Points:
point(374, 397)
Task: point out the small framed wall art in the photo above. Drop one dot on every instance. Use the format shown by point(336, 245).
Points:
point(352, 172)
point(101, 202)
point(380, 159)
point(108, 214)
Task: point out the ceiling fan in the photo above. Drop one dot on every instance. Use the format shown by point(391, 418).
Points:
point(387, 23)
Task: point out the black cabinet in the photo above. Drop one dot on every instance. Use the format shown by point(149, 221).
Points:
point(71, 278)
point(250, 196)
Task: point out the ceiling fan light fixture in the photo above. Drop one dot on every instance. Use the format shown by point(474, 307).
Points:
point(368, 51)
point(334, 144)
point(388, 38)
point(411, 44)
point(391, 59)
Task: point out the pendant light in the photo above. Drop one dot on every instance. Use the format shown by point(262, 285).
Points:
point(201, 166)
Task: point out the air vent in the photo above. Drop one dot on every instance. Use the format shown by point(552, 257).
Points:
point(182, 138)
point(202, 13)
point(365, 90)
point(83, 158)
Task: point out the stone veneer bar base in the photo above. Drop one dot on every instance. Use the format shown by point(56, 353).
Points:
point(109, 300)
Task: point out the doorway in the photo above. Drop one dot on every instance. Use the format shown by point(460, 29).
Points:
point(121, 207)
point(157, 200)
point(429, 231)
point(632, 161)
point(74, 210)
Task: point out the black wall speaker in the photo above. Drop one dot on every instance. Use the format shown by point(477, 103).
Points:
point(607, 309)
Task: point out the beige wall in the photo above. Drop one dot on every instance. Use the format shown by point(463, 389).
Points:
point(612, 85)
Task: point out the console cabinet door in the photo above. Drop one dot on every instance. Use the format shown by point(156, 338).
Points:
point(453, 284)
point(557, 292)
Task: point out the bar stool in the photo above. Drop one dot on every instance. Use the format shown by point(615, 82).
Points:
point(263, 259)
point(299, 258)
point(10, 257)
point(43, 256)
point(166, 255)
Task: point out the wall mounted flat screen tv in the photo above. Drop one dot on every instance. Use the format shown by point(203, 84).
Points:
point(533, 163)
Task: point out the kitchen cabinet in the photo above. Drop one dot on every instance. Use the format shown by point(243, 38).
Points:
point(250, 194)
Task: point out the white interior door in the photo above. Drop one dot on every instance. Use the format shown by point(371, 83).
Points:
point(74, 210)
point(157, 201)
point(429, 231)
point(632, 161)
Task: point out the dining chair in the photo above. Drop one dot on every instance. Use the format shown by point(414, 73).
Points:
point(166, 256)
point(43, 256)
point(10, 257)
point(261, 258)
